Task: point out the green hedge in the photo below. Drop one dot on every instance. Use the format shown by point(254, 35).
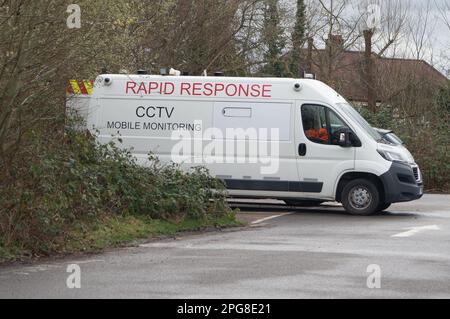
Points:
point(57, 188)
point(424, 126)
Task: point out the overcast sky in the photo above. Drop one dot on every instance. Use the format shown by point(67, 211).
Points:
point(439, 43)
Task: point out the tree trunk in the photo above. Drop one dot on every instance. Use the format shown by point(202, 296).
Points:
point(309, 57)
point(369, 72)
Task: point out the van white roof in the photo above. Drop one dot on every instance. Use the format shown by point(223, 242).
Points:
point(217, 88)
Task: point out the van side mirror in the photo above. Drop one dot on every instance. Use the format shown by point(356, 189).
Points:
point(346, 138)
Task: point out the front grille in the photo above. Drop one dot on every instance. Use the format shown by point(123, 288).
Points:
point(417, 174)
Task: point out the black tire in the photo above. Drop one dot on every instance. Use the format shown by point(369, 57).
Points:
point(361, 197)
point(384, 206)
point(303, 203)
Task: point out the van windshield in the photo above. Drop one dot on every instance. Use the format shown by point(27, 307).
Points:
point(353, 114)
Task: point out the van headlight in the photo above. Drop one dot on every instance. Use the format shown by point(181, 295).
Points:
point(392, 156)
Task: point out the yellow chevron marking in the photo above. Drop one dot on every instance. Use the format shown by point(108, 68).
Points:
point(89, 87)
point(75, 87)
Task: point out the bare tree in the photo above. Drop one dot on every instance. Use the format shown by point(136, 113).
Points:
point(331, 26)
point(25, 39)
point(444, 15)
point(38, 54)
point(420, 29)
point(444, 9)
point(392, 21)
point(195, 36)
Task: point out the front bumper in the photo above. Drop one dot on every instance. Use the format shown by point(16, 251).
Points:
point(402, 183)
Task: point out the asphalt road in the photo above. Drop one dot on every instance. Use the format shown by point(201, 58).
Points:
point(287, 253)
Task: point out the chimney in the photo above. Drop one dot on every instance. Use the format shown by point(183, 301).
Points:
point(309, 55)
point(335, 42)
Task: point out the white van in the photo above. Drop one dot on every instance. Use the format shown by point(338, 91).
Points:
point(322, 149)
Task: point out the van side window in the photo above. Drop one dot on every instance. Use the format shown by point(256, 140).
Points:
point(336, 126)
point(321, 125)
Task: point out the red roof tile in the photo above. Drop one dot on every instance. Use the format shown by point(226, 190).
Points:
point(347, 74)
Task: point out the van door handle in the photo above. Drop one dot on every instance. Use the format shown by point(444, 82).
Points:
point(302, 149)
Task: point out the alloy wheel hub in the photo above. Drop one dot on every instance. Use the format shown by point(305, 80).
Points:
point(360, 197)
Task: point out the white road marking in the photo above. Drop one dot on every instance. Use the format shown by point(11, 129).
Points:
point(415, 230)
point(259, 221)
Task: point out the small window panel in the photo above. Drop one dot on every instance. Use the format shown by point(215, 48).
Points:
point(237, 112)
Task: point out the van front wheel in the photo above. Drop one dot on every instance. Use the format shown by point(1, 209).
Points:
point(360, 197)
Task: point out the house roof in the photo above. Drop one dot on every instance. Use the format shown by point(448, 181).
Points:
point(347, 70)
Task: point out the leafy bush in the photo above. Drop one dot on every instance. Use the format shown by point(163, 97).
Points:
point(56, 189)
point(426, 133)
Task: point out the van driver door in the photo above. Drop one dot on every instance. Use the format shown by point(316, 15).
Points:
point(320, 160)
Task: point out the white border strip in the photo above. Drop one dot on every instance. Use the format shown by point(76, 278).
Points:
point(415, 230)
point(259, 221)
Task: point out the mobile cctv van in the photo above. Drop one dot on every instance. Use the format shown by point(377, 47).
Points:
point(299, 140)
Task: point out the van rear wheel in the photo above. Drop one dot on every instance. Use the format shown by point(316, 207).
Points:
point(361, 197)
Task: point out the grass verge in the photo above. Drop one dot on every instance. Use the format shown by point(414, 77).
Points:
point(118, 231)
